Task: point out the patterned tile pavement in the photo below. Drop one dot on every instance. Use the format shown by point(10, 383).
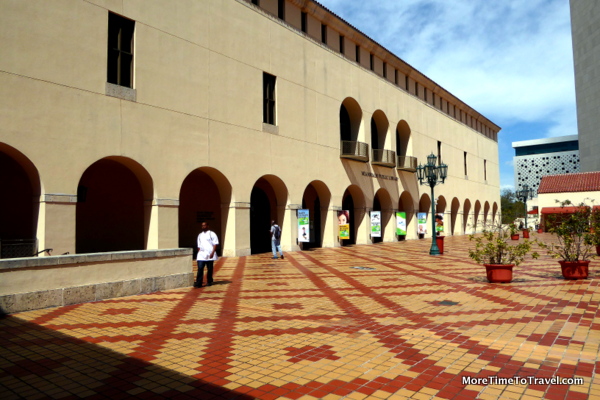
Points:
point(384, 321)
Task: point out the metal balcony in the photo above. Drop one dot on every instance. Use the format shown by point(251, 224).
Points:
point(385, 158)
point(358, 151)
point(407, 163)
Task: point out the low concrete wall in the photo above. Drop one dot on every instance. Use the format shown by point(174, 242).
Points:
point(40, 282)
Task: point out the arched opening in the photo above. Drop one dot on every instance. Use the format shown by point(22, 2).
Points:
point(19, 204)
point(114, 200)
point(316, 200)
point(486, 213)
point(440, 209)
point(476, 214)
point(350, 118)
point(402, 138)
point(466, 211)
point(353, 202)
point(267, 203)
point(454, 207)
point(424, 207)
point(382, 203)
point(379, 128)
point(494, 212)
point(405, 221)
point(204, 196)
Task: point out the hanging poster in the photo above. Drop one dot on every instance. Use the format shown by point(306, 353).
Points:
point(303, 226)
point(375, 223)
point(422, 221)
point(344, 224)
point(401, 223)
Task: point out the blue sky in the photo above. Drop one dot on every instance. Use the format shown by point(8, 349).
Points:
point(511, 60)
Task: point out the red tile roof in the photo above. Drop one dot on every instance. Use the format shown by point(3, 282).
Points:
point(581, 182)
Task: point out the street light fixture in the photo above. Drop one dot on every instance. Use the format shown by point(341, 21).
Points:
point(525, 193)
point(431, 174)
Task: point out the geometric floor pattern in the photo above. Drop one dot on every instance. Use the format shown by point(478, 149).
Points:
point(384, 321)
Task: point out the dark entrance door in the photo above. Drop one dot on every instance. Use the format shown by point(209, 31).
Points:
point(260, 222)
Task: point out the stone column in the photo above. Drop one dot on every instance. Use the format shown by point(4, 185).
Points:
point(237, 236)
point(163, 230)
point(56, 223)
point(289, 233)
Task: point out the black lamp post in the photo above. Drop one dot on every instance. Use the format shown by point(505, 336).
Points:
point(525, 193)
point(431, 174)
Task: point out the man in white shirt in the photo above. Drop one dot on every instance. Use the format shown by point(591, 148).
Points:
point(207, 255)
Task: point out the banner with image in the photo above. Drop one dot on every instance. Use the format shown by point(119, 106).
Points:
point(344, 224)
point(422, 221)
point(303, 226)
point(375, 223)
point(401, 223)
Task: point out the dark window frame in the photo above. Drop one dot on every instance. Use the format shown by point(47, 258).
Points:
point(120, 50)
point(269, 99)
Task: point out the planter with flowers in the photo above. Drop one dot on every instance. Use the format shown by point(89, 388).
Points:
point(577, 239)
point(514, 232)
point(494, 251)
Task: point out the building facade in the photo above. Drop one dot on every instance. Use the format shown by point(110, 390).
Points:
point(126, 124)
point(537, 158)
point(585, 28)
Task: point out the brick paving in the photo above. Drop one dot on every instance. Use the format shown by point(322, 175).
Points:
point(384, 321)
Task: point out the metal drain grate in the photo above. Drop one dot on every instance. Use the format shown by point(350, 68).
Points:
point(364, 268)
point(447, 303)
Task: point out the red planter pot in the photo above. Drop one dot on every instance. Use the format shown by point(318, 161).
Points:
point(515, 237)
point(540, 230)
point(440, 243)
point(574, 269)
point(499, 273)
point(525, 234)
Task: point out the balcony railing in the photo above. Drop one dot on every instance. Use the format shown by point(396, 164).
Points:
point(407, 163)
point(354, 150)
point(386, 158)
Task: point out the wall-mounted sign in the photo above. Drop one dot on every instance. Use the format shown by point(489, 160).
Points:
point(303, 226)
point(375, 223)
point(344, 224)
point(401, 223)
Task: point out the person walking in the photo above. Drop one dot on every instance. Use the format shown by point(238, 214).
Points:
point(276, 239)
point(207, 255)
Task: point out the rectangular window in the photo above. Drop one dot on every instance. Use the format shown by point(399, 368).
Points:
point(439, 159)
point(342, 44)
point(425, 94)
point(417, 89)
point(485, 170)
point(358, 54)
point(396, 77)
point(255, 2)
point(385, 70)
point(406, 83)
point(269, 99)
point(120, 50)
point(304, 21)
point(465, 156)
point(324, 33)
point(372, 62)
point(281, 9)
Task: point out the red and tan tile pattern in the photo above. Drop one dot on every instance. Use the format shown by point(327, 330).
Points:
point(386, 321)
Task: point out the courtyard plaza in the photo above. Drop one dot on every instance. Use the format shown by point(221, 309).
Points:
point(384, 321)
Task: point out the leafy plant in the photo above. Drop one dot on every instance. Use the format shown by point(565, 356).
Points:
point(493, 246)
point(577, 232)
point(513, 229)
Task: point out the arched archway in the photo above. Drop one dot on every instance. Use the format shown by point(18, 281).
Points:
point(267, 203)
point(466, 211)
point(476, 214)
point(406, 204)
point(19, 206)
point(425, 207)
point(350, 120)
point(316, 199)
point(402, 138)
point(379, 128)
point(494, 212)
point(486, 213)
point(114, 200)
point(440, 209)
point(204, 196)
point(382, 202)
point(354, 202)
point(454, 207)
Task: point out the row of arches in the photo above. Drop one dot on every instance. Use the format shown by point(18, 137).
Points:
point(116, 204)
point(350, 125)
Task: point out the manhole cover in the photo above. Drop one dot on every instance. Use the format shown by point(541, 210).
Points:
point(363, 268)
point(447, 303)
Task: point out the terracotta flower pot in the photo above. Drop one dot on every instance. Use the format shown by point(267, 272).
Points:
point(525, 234)
point(540, 230)
point(515, 236)
point(575, 269)
point(499, 273)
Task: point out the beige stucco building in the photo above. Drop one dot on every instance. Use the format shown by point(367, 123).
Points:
point(125, 123)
